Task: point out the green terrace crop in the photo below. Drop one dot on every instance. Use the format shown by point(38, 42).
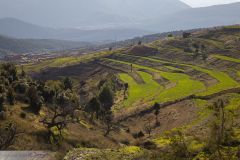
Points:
point(226, 58)
point(184, 85)
point(144, 91)
point(62, 61)
point(224, 81)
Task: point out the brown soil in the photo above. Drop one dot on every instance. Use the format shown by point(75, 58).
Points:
point(173, 116)
point(141, 50)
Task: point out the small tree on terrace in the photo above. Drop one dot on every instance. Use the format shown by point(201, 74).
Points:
point(23, 73)
point(34, 99)
point(93, 107)
point(148, 127)
point(108, 120)
point(106, 99)
point(203, 52)
point(156, 112)
point(126, 86)
point(131, 67)
point(11, 96)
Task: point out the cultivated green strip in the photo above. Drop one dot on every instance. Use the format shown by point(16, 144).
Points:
point(224, 81)
point(226, 58)
point(144, 92)
point(185, 86)
point(62, 62)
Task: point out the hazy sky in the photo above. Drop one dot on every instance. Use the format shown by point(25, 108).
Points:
point(200, 3)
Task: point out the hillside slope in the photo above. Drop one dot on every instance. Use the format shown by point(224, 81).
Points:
point(12, 45)
point(174, 98)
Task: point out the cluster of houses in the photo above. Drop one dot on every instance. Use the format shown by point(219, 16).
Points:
point(27, 57)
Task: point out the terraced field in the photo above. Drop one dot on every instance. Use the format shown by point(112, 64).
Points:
point(182, 86)
point(148, 90)
point(224, 81)
point(226, 58)
point(62, 61)
point(203, 113)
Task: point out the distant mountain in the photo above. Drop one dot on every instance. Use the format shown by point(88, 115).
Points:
point(109, 23)
point(142, 9)
point(16, 28)
point(217, 15)
point(11, 45)
point(78, 13)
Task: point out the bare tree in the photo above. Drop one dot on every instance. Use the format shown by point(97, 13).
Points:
point(126, 86)
point(58, 118)
point(8, 135)
point(148, 128)
point(178, 145)
point(108, 122)
point(156, 112)
point(60, 114)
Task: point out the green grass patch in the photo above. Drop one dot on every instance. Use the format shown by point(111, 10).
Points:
point(85, 124)
point(232, 27)
point(224, 81)
point(226, 58)
point(238, 73)
point(162, 141)
point(143, 92)
point(185, 86)
point(196, 146)
point(234, 102)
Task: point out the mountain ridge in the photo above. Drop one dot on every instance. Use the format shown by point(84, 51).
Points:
point(19, 29)
point(61, 13)
point(217, 15)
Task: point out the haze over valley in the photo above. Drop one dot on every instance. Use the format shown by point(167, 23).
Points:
point(107, 20)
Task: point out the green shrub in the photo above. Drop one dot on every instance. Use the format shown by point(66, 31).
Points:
point(11, 96)
point(34, 99)
point(1, 102)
